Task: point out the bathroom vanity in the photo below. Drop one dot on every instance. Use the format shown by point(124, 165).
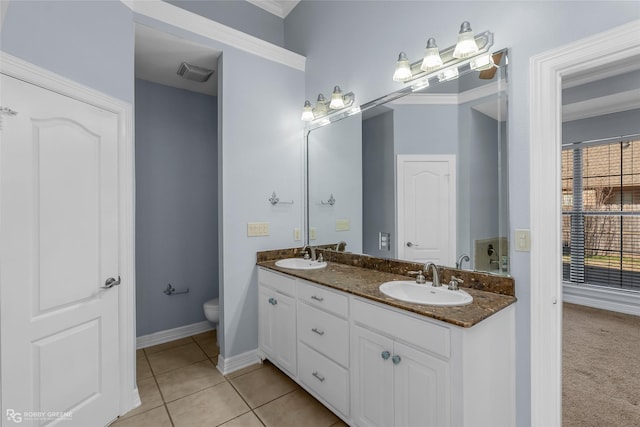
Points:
point(377, 361)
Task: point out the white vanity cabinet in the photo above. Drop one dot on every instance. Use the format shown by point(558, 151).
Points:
point(323, 344)
point(395, 383)
point(277, 319)
point(408, 370)
point(376, 365)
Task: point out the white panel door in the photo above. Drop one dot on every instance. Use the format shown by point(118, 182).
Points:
point(59, 243)
point(426, 209)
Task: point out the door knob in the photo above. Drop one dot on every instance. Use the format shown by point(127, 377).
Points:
point(110, 283)
point(410, 244)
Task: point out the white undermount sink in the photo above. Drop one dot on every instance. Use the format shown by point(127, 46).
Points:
point(300, 264)
point(426, 294)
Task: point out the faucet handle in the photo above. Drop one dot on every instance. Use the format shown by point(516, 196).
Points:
point(454, 283)
point(420, 279)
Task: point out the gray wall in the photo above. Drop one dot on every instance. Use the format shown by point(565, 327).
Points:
point(606, 126)
point(89, 42)
point(378, 184)
point(240, 15)
point(527, 27)
point(176, 205)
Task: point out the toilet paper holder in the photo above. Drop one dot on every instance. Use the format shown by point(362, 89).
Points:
point(170, 290)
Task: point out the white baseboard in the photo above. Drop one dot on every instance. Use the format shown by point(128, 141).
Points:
point(172, 334)
point(621, 301)
point(234, 363)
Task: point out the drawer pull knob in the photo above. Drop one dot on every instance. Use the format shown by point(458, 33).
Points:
point(385, 355)
point(318, 331)
point(317, 298)
point(396, 359)
point(273, 301)
point(318, 376)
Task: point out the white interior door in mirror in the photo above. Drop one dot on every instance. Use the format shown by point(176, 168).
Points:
point(58, 245)
point(426, 191)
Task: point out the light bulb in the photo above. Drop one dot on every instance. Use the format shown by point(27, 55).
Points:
point(466, 45)
point(307, 112)
point(403, 69)
point(432, 59)
point(337, 101)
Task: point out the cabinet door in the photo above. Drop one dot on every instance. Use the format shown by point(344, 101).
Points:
point(421, 387)
point(266, 316)
point(372, 378)
point(285, 331)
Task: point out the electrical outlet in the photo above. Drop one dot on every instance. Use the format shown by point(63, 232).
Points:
point(257, 229)
point(313, 235)
point(296, 234)
point(342, 224)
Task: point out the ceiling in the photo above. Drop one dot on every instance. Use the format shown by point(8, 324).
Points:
point(158, 56)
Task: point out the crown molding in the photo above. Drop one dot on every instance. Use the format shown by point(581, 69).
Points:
point(197, 24)
point(279, 8)
point(452, 98)
point(615, 103)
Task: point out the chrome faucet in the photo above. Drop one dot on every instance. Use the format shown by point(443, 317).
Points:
point(461, 259)
point(312, 251)
point(341, 244)
point(435, 278)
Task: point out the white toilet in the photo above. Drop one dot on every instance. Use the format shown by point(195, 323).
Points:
point(212, 312)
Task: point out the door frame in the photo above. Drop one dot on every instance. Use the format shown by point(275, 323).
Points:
point(547, 71)
point(400, 160)
point(30, 73)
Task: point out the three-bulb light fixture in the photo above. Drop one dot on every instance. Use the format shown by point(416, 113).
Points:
point(338, 101)
point(445, 64)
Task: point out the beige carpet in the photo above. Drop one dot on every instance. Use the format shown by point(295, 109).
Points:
point(601, 368)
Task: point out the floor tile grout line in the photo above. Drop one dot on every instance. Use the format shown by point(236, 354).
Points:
point(274, 399)
point(195, 392)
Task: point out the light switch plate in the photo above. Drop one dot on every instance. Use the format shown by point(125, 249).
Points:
point(296, 233)
point(313, 234)
point(257, 229)
point(523, 240)
point(342, 224)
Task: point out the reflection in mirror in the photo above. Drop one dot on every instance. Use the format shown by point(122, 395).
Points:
point(420, 178)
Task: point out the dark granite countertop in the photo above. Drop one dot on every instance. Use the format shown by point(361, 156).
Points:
point(364, 282)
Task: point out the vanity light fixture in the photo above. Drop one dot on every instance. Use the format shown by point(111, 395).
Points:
point(339, 103)
point(337, 100)
point(482, 63)
point(403, 68)
point(466, 45)
point(307, 112)
point(448, 74)
point(434, 61)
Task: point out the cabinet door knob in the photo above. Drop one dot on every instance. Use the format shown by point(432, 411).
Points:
point(318, 376)
point(385, 355)
point(396, 359)
point(273, 301)
point(318, 331)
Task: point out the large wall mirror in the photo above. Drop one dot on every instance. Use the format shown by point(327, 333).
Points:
point(422, 177)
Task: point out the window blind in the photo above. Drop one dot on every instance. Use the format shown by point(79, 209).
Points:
point(601, 213)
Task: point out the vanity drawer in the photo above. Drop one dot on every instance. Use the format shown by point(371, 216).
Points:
point(405, 327)
point(323, 298)
point(324, 332)
point(279, 282)
point(325, 378)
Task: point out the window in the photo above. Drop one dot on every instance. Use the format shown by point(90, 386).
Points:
point(601, 213)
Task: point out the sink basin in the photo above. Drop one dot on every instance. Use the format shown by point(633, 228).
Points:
point(410, 291)
point(300, 264)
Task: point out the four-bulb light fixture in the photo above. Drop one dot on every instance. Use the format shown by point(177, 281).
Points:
point(338, 101)
point(445, 64)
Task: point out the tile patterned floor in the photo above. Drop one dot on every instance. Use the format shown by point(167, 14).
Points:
point(180, 386)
